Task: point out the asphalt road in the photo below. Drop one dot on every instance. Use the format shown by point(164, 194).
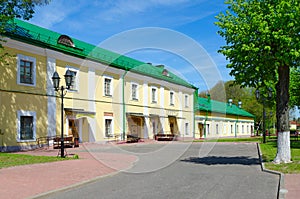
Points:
point(208, 171)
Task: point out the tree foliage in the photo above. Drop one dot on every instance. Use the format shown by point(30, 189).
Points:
point(10, 9)
point(262, 45)
point(295, 87)
point(260, 35)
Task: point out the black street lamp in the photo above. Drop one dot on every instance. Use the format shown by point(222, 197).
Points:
point(62, 91)
point(263, 98)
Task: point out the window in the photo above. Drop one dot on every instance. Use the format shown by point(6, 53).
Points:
point(26, 69)
point(134, 91)
point(172, 98)
point(237, 129)
point(186, 128)
point(75, 80)
point(231, 129)
point(154, 94)
point(217, 128)
point(26, 126)
point(108, 128)
point(186, 101)
point(242, 129)
point(107, 86)
point(207, 129)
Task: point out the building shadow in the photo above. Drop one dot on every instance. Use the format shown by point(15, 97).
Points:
point(219, 160)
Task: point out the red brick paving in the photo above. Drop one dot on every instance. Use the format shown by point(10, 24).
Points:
point(292, 184)
point(31, 180)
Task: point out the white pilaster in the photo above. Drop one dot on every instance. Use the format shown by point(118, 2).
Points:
point(51, 104)
point(91, 89)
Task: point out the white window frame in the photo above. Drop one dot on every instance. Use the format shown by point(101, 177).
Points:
point(29, 59)
point(186, 101)
point(154, 99)
point(21, 113)
point(76, 80)
point(172, 96)
point(136, 92)
point(110, 87)
point(112, 125)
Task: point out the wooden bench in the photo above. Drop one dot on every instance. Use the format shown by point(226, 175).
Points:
point(68, 142)
point(132, 138)
point(165, 137)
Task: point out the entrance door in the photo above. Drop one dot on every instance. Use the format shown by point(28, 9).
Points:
point(73, 131)
point(200, 127)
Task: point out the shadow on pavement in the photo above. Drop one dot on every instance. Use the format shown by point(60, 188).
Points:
point(215, 160)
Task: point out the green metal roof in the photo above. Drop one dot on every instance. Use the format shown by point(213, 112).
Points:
point(29, 33)
point(205, 104)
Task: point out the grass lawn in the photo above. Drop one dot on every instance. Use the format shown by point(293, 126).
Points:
point(10, 159)
point(269, 150)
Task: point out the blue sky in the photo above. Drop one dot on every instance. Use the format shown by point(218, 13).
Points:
point(95, 22)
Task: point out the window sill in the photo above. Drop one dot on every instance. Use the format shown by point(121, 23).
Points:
point(23, 141)
point(73, 91)
point(24, 84)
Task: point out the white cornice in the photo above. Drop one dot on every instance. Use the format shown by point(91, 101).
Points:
point(11, 43)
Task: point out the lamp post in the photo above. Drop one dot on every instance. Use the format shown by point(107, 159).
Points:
point(62, 91)
point(263, 98)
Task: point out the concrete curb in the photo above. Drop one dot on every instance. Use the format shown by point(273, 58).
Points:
point(281, 189)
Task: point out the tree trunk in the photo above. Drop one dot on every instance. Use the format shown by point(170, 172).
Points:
point(282, 115)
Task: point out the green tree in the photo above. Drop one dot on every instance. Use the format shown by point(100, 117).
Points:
point(295, 87)
point(262, 44)
point(10, 9)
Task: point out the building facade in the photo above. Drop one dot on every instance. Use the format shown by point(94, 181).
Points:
point(111, 95)
point(214, 119)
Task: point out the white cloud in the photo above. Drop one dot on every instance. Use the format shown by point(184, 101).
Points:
point(55, 12)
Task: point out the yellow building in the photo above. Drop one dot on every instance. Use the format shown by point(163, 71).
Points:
point(111, 96)
point(214, 119)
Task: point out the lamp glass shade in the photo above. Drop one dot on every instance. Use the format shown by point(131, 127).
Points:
point(240, 104)
point(55, 80)
point(68, 78)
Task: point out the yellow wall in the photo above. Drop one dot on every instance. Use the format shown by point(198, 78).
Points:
point(14, 98)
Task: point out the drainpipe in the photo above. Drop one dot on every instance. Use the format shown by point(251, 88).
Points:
point(124, 105)
point(206, 114)
point(194, 111)
point(237, 120)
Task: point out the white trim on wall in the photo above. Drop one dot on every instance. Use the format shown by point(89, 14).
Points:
point(21, 113)
point(29, 59)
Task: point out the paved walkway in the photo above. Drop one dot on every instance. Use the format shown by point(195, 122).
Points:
point(292, 184)
point(29, 181)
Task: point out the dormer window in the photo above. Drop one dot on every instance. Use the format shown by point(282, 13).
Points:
point(165, 72)
point(65, 40)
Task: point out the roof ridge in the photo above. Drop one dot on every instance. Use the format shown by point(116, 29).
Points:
point(40, 36)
